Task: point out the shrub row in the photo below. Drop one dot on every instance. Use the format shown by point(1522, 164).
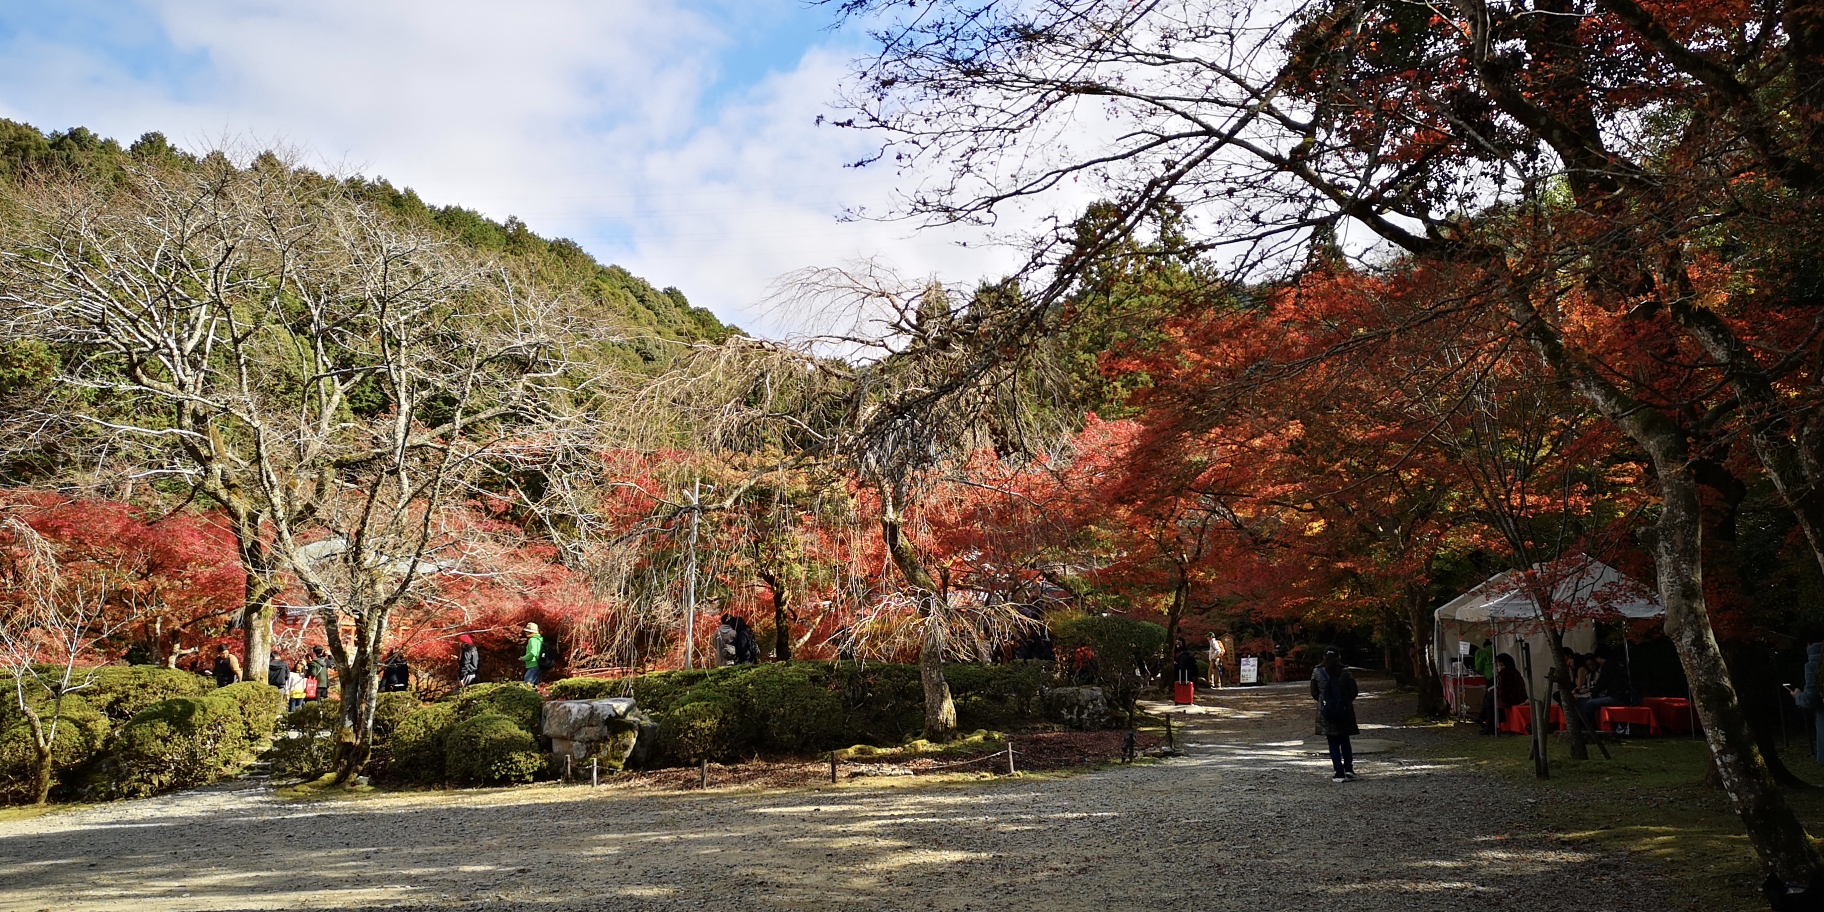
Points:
point(96, 737)
point(800, 707)
point(481, 735)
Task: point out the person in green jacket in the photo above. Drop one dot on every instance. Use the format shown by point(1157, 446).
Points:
point(1484, 660)
point(535, 644)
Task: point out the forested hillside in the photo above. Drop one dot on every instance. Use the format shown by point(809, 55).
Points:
point(627, 301)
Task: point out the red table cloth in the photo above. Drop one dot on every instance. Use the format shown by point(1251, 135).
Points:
point(1672, 713)
point(1519, 719)
point(1609, 716)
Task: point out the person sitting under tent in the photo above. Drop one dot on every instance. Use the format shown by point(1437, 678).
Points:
point(1509, 691)
point(1610, 686)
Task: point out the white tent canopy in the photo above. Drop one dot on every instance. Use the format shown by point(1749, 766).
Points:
point(1582, 590)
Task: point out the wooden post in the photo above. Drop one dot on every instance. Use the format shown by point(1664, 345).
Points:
point(567, 759)
point(1009, 757)
point(705, 774)
point(1171, 742)
point(595, 772)
point(832, 767)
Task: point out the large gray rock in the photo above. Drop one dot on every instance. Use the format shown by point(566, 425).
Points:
point(1077, 707)
point(611, 731)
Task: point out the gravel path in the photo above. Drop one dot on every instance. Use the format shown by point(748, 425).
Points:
point(1247, 819)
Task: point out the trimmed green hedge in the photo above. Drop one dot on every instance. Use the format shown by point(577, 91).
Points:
point(305, 745)
point(491, 749)
point(803, 707)
point(81, 732)
point(424, 746)
point(260, 705)
point(178, 743)
point(122, 691)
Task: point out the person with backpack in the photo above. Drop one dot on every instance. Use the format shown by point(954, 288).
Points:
point(747, 649)
point(318, 672)
point(1335, 690)
point(395, 675)
point(535, 654)
point(227, 668)
point(468, 662)
point(722, 643)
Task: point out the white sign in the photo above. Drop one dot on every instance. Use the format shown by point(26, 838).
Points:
point(1250, 670)
point(1463, 647)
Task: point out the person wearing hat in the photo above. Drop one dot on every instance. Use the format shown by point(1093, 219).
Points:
point(468, 663)
point(535, 644)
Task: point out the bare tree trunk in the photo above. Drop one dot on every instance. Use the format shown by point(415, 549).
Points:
point(940, 708)
point(359, 669)
point(42, 756)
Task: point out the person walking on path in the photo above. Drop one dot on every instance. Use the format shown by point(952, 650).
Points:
point(1335, 690)
point(1810, 698)
point(227, 667)
point(318, 669)
point(1217, 652)
point(278, 672)
point(468, 663)
point(535, 646)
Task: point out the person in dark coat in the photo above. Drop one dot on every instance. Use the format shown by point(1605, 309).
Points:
point(747, 649)
point(396, 675)
point(319, 668)
point(278, 672)
point(1335, 690)
point(1810, 698)
point(468, 663)
point(1184, 667)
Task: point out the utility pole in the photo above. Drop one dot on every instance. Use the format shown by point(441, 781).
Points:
point(690, 577)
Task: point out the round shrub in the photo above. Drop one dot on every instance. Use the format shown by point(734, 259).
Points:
point(305, 743)
point(489, 749)
point(121, 691)
point(1117, 643)
point(416, 745)
point(81, 731)
point(518, 702)
point(178, 743)
point(392, 709)
point(260, 705)
point(704, 729)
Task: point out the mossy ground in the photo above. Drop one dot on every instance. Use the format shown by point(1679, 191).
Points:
point(1649, 801)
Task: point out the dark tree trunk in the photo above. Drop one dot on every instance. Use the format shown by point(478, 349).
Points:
point(1425, 677)
point(782, 616)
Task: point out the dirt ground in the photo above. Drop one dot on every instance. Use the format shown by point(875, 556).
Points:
point(1247, 818)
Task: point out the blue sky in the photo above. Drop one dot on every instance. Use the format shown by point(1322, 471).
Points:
point(675, 137)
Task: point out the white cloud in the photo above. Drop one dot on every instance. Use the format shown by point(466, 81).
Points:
point(586, 119)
